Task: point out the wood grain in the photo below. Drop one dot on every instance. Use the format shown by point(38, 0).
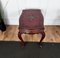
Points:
point(11, 34)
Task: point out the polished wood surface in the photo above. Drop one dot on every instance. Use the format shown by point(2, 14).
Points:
point(11, 34)
point(31, 22)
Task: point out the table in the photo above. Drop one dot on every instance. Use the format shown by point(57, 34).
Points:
point(31, 21)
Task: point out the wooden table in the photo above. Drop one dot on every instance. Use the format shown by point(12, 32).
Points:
point(31, 21)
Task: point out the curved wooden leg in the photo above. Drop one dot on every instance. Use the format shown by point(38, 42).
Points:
point(43, 36)
point(22, 42)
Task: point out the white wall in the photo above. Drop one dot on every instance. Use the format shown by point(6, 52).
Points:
point(50, 10)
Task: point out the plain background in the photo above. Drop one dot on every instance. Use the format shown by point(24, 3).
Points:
point(13, 8)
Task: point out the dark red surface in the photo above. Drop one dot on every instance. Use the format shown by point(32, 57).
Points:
point(31, 21)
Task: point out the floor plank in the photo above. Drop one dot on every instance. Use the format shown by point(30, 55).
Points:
point(11, 34)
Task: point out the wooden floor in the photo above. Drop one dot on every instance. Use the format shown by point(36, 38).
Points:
point(52, 34)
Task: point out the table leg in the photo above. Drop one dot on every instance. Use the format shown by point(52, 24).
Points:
point(43, 36)
point(20, 37)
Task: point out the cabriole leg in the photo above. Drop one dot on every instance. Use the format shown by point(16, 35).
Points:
point(20, 37)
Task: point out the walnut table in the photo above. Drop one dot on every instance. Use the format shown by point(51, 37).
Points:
point(31, 21)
